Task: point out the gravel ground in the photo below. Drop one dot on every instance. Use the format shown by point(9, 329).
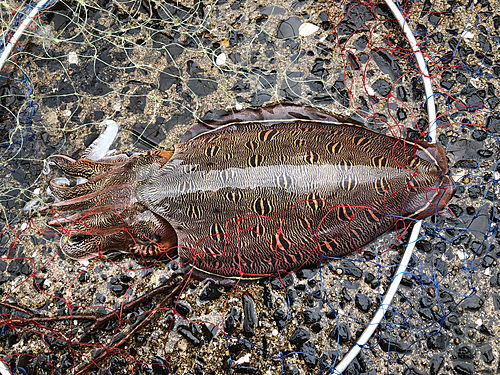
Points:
point(156, 70)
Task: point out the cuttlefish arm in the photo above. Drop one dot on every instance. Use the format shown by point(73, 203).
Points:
point(103, 213)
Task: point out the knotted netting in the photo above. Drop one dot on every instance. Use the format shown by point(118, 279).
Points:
point(156, 68)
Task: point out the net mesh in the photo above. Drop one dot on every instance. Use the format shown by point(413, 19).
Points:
point(157, 68)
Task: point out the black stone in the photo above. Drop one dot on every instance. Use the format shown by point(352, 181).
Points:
point(318, 68)
point(209, 331)
point(159, 366)
point(485, 153)
point(285, 281)
point(250, 320)
point(55, 343)
point(169, 77)
point(363, 302)
point(289, 28)
point(268, 297)
point(291, 370)
point(435, 364)
point(310, 317)
point(309, 354)
point(357, 18)
point(361, 43)
point(389, 346)
point(210, 293)
point(232, 318)
point(198, 83)
point(340, 333)
point(260, 98)
point(387, 64)
point(487, 354)
point(439, 341)
point(188, 335)
point(280, 317)
point(462, 368)
point(401, 93)
point(465, 352)
point(473, 303)
point(183, 308)
point(118, 289)
point(457, 210)
point(382, 87)
point(349, 268)
point(300, 336)
point(316, 327)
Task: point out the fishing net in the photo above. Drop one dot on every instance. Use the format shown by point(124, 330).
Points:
point(157, 68)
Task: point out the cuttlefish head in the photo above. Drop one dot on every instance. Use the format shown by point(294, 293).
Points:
point(102, 213)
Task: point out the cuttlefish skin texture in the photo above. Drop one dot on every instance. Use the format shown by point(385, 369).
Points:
point(253, 198)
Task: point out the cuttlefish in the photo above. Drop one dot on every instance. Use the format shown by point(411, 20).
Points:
point(252, 193)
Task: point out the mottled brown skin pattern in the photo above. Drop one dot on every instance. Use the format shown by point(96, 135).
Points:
point(252, 199)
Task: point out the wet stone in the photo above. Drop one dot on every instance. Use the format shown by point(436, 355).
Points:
point(169, 77)
point(185, 332)
point(289, 28)
point(435, 364)
point(250, 320)
point(285, 281)
point(310, 317)
point(382, 87)
point(462, 368)
point(300, 336)
point(280, 317)
point(438, 341)
point(159, 366)
point(349, 268)
point(473, 303)
point(363, 302)
point(268, 297)
point(496, 301)
point(391, 346)
point(183, 308)
point(387, 64)
point(340, 333)
point(487, 354)
point(210, 293)
point(309, 354)
point(209, 331)
point(465, 352)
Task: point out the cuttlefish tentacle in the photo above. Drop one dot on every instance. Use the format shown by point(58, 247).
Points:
point(103, 212)
point(87, 168)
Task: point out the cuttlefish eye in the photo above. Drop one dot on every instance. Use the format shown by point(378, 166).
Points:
point(77, 238)
point(80, 245)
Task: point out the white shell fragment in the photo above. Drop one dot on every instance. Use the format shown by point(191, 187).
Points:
point(73, 58)
point(244, 359)
point(221, 59)
point(98, 149)
point(307, 29)
point(467, 35)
